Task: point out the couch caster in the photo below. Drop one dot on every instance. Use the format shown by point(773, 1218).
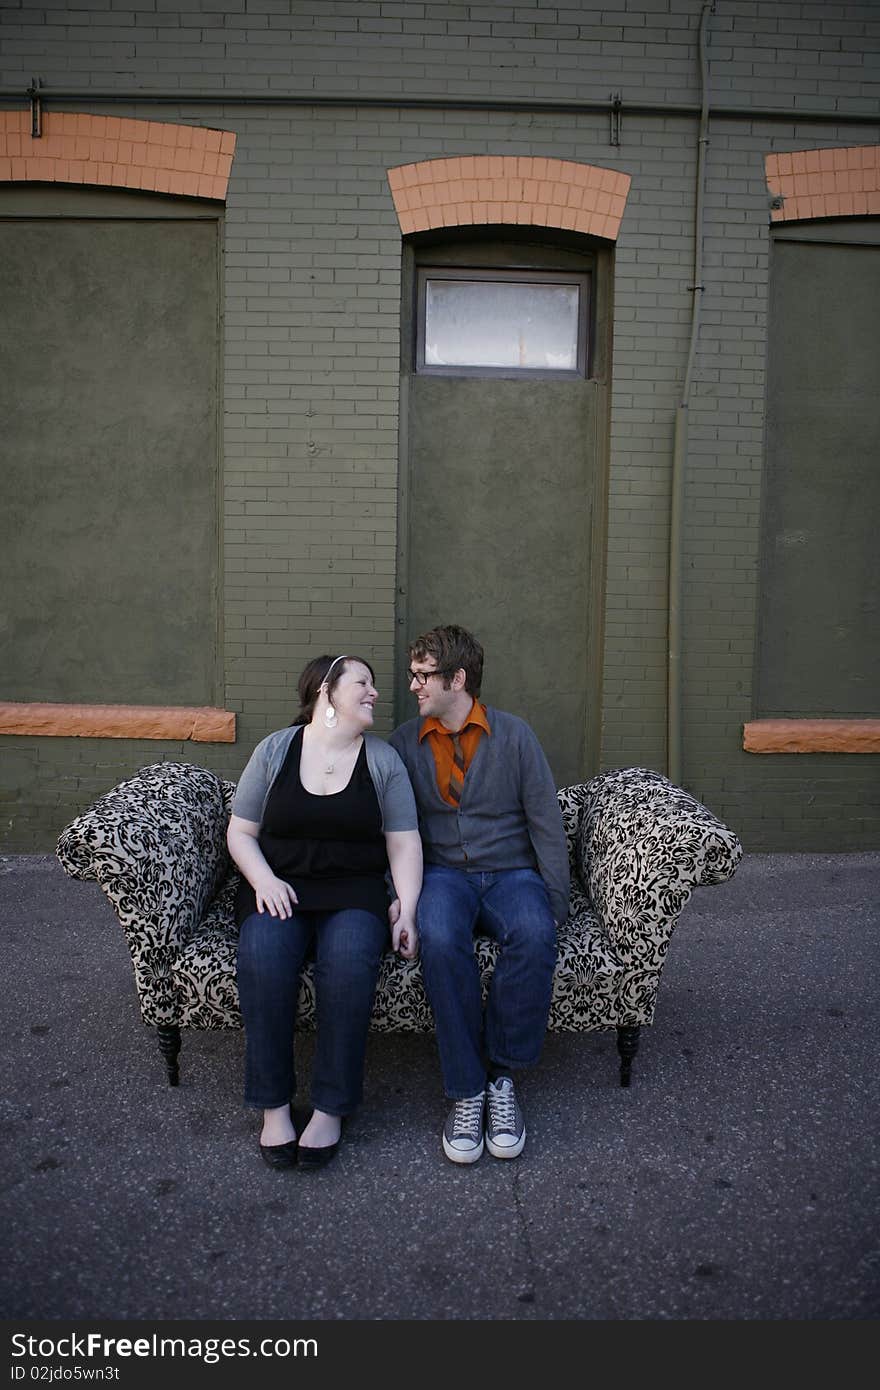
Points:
point(627, 1046)
point(169, 1046)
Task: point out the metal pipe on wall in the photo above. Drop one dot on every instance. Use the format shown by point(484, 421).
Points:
point(229, 97)
point(680, 436)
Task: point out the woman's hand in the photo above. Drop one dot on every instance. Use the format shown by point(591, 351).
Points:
point(404, 932)
point(405, 937)
point(274, 896)
point(405, 859)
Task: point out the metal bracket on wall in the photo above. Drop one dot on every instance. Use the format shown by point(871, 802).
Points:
point(33, 92)
point(616, 108)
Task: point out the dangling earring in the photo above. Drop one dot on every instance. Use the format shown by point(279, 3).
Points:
point(329, 713)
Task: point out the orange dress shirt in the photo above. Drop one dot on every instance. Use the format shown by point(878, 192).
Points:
point(442, 747)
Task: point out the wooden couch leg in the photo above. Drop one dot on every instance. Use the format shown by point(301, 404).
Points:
point(627, 1046)
point(169, 1046)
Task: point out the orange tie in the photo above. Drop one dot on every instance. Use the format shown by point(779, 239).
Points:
point(456, 776)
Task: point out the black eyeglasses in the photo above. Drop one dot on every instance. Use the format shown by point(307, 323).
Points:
point(422, 677)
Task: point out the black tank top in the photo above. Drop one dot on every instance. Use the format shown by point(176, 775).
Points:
point(330, 849)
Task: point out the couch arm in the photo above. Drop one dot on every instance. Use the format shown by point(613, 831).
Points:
point(643, 845)
point(156, 844)
point(571, 804)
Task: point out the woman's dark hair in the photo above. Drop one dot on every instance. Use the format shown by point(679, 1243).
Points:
point(309, 684)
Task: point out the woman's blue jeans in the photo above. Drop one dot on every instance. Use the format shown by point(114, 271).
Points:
point(271, 953)
point(511, 905)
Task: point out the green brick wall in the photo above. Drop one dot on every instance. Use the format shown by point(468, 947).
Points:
point(311, 339)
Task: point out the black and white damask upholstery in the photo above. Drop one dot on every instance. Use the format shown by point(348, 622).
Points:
point(638, 846)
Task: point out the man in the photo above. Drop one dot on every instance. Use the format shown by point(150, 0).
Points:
point(495, 859)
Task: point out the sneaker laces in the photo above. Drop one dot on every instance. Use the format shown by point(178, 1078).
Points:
point(468, 1116)
point(502, 1108)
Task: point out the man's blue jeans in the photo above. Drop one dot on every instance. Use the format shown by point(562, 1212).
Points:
point(512, 906)
point(271, 952)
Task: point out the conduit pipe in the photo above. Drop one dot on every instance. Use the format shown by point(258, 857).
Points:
point(680, 436)
point(228, 96)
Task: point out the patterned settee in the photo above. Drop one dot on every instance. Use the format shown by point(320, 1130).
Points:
point(156, 844)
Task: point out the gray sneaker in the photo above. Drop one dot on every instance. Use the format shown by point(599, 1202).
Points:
point(463, 1131)
point(505, 1126)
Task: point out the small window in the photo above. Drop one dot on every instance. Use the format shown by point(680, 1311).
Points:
point(483, 322)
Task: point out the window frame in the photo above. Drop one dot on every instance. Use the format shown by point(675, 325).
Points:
point(519, 275)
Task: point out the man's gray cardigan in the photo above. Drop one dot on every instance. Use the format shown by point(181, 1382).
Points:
point(508, 817)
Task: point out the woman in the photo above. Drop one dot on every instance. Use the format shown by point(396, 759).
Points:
point(322, 812)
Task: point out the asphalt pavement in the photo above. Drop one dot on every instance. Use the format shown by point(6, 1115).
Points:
point(737, 1179)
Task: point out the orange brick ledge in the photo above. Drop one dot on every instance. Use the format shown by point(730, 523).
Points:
point(474, 189)
point(190, 161)
point(198, 724)
point(824, 183)
point(812, 736)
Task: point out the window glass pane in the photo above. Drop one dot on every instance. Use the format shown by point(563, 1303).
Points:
point(496, 323)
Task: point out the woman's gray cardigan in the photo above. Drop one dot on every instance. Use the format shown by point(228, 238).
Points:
point(389, 776)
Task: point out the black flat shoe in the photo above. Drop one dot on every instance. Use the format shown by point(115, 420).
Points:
point(280, 1155)
point(314, 1158)
point(317, 1158)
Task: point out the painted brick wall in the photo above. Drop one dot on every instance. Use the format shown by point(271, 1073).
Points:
point(765, 52)
point(311, 334)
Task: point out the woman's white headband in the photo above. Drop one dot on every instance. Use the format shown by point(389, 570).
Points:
point(325, 683)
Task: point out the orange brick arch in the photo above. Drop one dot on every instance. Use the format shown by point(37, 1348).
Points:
point(475, 189)
point(113, 151)
point(824, 183)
